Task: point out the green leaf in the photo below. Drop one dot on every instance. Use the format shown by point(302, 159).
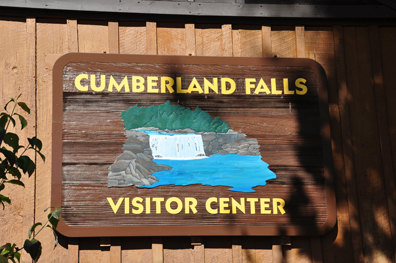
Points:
point(16, 182)
point(32, 141)
point(55, 236)
point(26, 164)
point(31, 168)
point(15, 172)
point(3, 120)
point(2, 186)
point(3, 259)
point(24, 106)
point(45, 210)
point(12, 140)
point(2, 133)
point(2, 170)
point(23, 121)
point(33, 247)
point(11, 100)
point(39, 144)
point(54, 216)
point(5, 199)
point(10, 156)
point(42, 156)
point(33, 227)
point(17, 255)
point(23, 163)
point(12, 120)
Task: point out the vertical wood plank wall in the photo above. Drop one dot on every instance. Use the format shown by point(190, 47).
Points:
point(360, 63)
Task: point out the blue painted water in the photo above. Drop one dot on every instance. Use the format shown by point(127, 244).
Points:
point(240, 172)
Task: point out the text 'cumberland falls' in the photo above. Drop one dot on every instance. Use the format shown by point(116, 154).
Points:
point(199, 85)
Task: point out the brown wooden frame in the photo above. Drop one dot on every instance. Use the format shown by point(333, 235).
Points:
point(187, 230)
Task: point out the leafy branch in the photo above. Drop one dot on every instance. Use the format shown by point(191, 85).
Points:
point(32, 246)
point(12, 165)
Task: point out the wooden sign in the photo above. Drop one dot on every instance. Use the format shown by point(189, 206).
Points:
point(169, 145)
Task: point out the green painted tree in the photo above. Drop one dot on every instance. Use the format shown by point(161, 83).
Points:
point(168, 116)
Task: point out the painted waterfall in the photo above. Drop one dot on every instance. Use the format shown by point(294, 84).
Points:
point(177, 147)
point(173, 145)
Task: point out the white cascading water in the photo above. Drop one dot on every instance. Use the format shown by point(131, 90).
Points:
point(177, 147)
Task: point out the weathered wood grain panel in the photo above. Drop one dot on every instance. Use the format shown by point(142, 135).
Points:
point(209, 40)
point(171, 39)
point(133, 38)
point(30, 91)
point(51, 43)
point(388, 54)
point(137, 249)
point(247, 42)
point(93, 38)
point(284, 42)
point(319, 45)
point(16, 75)
point(366, 148)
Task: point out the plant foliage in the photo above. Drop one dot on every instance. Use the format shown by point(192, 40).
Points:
point(13, 164)
point(172, 117)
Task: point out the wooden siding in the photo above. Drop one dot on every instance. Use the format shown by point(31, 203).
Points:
point(360, 63)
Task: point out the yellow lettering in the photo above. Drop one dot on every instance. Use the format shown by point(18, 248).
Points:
point(179, 86)
point(273, 87)
point(151, 84)
point(209, 208)
point(303, 88)
point(286, 87)
point(249, 85)
point(224, 82)
point(252, 202)
point(278, 203)
point(214, 86)
point(148, 205)
point(240, 206)
point(77, 82)
point(137, 202)
point(102, 83)
point(170, 209)
point(194, 83)
point(137, 84)
point(113, 206)
point(264, 205)
point(167, 83)
point(223, 204)
point(158, 201)
point(113, 83)
point(262, 87)
point(190, 203)
point(126, 203)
